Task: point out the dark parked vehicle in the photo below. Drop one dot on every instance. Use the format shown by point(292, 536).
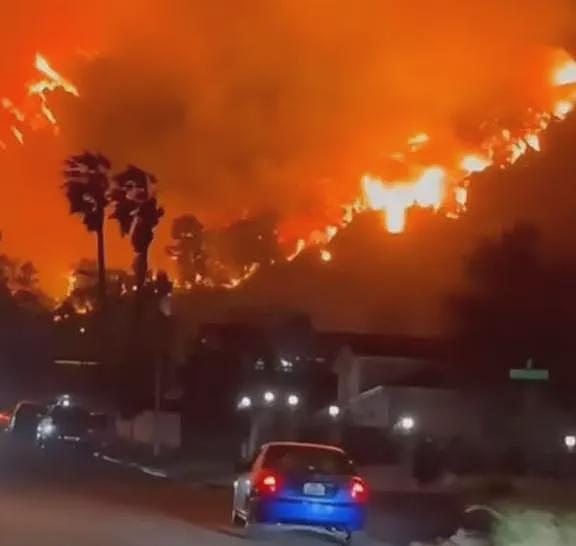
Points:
point(25, 419)
point(70, 426)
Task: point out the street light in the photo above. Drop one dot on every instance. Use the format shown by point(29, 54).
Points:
point(570, 442)
point(64, 400)
point(406, 423)
point(287, 365)
point(245, 402)
point(269, 397)
point(333, 411)
point(293, 400)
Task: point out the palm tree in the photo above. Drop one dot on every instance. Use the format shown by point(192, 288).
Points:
point(138, 213)
point(87, 188)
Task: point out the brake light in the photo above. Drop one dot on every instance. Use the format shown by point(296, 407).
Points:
point(267, 484)
point(358, 490)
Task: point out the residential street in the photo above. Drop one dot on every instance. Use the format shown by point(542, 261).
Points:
point(79, 500)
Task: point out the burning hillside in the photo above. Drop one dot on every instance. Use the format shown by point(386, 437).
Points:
point(314, 112)
point(500, 141)
point(33, 112)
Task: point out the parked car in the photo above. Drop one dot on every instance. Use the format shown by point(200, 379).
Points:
point(25, 419)
point(5, 418)
point(301, 485)
point(70, 426)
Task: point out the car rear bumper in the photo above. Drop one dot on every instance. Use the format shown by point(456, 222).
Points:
point(347, 516)
point(80, 444)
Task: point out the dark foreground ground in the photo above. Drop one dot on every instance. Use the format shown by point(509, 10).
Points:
point(83, 501)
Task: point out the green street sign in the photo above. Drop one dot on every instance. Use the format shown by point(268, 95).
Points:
point(529, 374)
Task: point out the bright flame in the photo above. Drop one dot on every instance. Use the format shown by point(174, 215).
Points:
point(517, 150)
point(30, 114)
point(331, 232)
point(533, 141)
point(435, 183)
point(474, 164)
point(563, 108)
point(395, 198)
point(461, 196)
point(300, 246)
point(417, 141)
point(72, 283)
point(8, 105)
point(566, 74)
point(52, 82)
point(325, 255)
point(233, 283)
point(17, 134)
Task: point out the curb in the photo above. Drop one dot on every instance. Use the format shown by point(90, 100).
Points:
point(160, 473)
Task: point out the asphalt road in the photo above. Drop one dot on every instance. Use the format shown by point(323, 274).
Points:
point(82, 501)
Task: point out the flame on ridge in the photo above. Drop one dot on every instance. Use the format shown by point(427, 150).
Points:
point(444, 187)
point(435, 185)
point(31, 114)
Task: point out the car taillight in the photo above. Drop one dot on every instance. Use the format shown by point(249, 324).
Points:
point(267, 483)
point(358, 490)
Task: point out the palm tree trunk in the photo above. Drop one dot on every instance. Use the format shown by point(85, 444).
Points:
point(101, 268)
point(141, 269)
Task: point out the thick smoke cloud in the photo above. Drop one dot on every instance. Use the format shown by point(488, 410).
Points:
point(240, 106)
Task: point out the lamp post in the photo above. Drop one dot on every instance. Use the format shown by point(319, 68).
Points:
point(405, 427)
point(164, 315)
point(261, 408)
point(334, 424)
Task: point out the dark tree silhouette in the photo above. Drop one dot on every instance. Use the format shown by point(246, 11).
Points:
point(254, 240)
point(518, 306)
point(87, 189)
point(188, 249)
point(233, 250)
point(83, 295)
point(138, 213)
point(20, 281)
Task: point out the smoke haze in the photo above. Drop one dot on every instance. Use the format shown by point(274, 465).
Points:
point(240, 107)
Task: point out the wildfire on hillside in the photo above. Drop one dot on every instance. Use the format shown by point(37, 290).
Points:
point(411, 177)
point(426, 160)
point(444, 186)
point(441, 186)
point(33, 112)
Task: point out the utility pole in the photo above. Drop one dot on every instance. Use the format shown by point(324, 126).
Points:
point(157, 402)
point(164, 315)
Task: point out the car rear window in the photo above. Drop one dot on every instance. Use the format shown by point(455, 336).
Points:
point(71, 416)
point(307, 460)
point(29, 410)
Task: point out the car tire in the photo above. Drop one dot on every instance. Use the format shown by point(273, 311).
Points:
point(356, 538)
point(237, 521)
point(252, 527)
point(253, 531)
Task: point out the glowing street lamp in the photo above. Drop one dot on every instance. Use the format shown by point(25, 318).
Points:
point(406, 424)
point(293, 400)
point(269, 397)
point(570, 442)
point(245, 403)
point(333, 411)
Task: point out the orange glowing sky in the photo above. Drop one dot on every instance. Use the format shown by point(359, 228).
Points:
point(240, 108)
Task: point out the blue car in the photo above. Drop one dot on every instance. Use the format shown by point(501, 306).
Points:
point(297, 484)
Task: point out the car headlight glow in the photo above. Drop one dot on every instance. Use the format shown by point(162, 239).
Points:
point(47, 428)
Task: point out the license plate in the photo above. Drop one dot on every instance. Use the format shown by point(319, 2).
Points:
point(314, 489)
